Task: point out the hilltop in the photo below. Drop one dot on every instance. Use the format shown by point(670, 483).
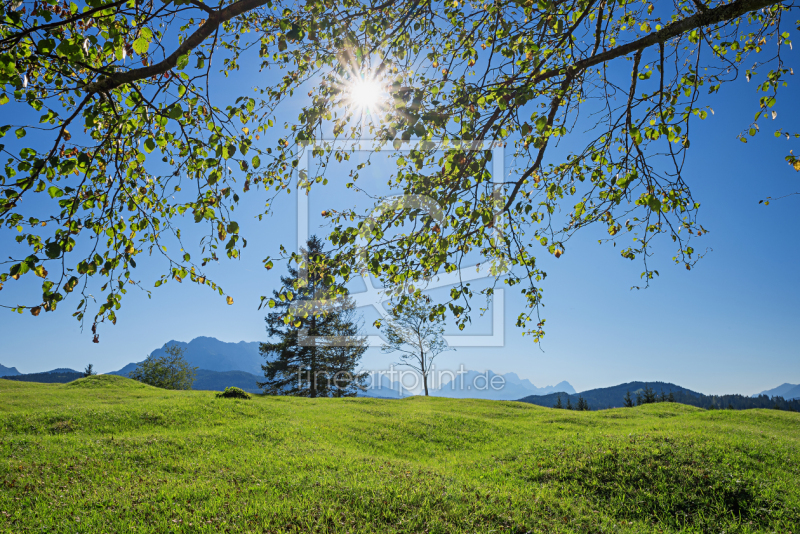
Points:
point(186, 461)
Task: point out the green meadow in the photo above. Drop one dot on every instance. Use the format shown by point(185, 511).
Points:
point(109, 455)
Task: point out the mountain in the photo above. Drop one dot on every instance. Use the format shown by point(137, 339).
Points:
point(61, 371)
point(49, 377)
point(489, 385)
point(793, 393)
point(8, 371)
point(779, 391)
point(211, 354)
point(613, 397)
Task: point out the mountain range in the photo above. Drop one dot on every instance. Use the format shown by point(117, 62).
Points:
point(787, 391)
point(614, 397)
point(221, 364)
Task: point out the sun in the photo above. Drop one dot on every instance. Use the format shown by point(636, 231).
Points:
point(365, 94)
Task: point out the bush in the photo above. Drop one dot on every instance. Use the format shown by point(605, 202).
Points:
point(233, 392)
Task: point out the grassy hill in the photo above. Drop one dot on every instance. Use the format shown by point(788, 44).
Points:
point(107, 454)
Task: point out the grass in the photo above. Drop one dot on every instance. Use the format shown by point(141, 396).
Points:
point(107, 454)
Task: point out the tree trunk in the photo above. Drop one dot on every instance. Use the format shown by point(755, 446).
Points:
point(424, 371)
point(313, 332)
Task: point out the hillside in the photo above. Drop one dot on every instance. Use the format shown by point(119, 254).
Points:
point(104, 453)
point(614, 397)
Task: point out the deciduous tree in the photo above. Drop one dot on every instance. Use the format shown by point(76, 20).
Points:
point(417, 334)
point(113, 142)
point(169, 371)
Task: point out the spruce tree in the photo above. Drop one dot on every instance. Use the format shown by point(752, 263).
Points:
point(298, 362)
point(628, 400)
point(558, 403)
point(569, 404)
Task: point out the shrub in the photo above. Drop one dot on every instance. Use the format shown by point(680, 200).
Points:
point(232, 392)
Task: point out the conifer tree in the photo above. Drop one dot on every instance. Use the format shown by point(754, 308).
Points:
point(628, 400)
point(558, 403)
point(569, 404)
point(318, 348)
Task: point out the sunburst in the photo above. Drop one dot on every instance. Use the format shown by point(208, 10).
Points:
point(363, 90)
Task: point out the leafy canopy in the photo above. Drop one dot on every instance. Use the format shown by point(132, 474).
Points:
point(112, 143)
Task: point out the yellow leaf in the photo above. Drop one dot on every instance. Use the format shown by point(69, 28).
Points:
point(229, 300)
point(797, 165)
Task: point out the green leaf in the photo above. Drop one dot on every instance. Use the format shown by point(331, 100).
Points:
point(141, 45)
point(149, 145)
point(183, 61)
point(52, 250)
point(21, 133)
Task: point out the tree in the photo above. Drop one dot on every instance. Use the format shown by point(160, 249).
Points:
point(170, 371)
point(416, 332)
point(583, 405)
point(129, 140)
point(89, 371)
point(558, 403)
point(315, 354)
point(569, 404)
point(628, 400)
point(648, 395)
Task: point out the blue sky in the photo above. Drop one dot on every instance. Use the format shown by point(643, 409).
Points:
point(728, 326)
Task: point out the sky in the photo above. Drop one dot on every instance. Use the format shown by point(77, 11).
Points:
point(729, 325)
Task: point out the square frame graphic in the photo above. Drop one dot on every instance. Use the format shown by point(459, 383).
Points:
point(372, 296)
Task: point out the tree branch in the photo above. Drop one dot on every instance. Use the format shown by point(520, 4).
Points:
point(109, 83)
point(713, 16)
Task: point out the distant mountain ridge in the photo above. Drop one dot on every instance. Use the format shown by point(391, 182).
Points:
point(8, 371)
point(610, 397)
point(787, 391)
point(493, 386)
point(48, 377)
point(614, 397)
point(211, 355)
point(215, 355)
